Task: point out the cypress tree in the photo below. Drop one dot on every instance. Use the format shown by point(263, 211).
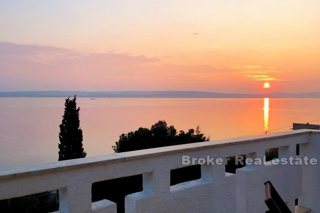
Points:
point(70, 135)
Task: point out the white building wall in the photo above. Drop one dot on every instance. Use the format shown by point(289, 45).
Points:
point(216, 191)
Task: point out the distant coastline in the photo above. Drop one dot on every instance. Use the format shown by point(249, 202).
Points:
point(152, 94)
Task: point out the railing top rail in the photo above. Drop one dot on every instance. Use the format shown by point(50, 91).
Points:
point(147, 153)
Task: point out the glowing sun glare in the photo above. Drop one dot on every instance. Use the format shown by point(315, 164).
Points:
point(266, 85)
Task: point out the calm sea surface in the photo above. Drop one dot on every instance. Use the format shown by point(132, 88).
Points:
point(29, 127)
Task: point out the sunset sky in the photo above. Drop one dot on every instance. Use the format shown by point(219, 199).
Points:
point(203, 45)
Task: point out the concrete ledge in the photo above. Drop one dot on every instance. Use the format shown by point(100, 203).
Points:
point(242, 192)
point(104, 206)
point(125, 156)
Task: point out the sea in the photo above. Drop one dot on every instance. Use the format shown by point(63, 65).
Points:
point(29, 127)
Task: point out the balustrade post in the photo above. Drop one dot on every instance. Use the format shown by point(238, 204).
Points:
point(75, 199)
point(215, 173)
point(243, 184)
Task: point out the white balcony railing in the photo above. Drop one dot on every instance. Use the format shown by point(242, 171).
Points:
point(216, 191)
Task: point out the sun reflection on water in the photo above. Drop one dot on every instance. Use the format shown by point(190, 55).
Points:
point(266, 110)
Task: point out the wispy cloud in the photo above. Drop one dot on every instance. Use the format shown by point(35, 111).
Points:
point(45, 67)
point(34, 67)
point(258, 72)
point(53, 55)
point(261, 77)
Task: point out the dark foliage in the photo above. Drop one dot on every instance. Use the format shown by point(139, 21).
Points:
point(159, 135)
point(70, 146)
point(40, 203)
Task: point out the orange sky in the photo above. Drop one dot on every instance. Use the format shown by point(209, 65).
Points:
point(227, 46)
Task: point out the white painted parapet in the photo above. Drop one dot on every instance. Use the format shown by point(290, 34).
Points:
point(216, 191)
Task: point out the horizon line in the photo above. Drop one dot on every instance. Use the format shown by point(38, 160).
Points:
point(154, 94)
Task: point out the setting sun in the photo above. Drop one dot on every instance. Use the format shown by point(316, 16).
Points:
point(266, 85)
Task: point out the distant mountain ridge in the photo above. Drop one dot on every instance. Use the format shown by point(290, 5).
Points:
point(154, 94)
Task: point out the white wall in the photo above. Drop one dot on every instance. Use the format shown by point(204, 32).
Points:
point(216, 191)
